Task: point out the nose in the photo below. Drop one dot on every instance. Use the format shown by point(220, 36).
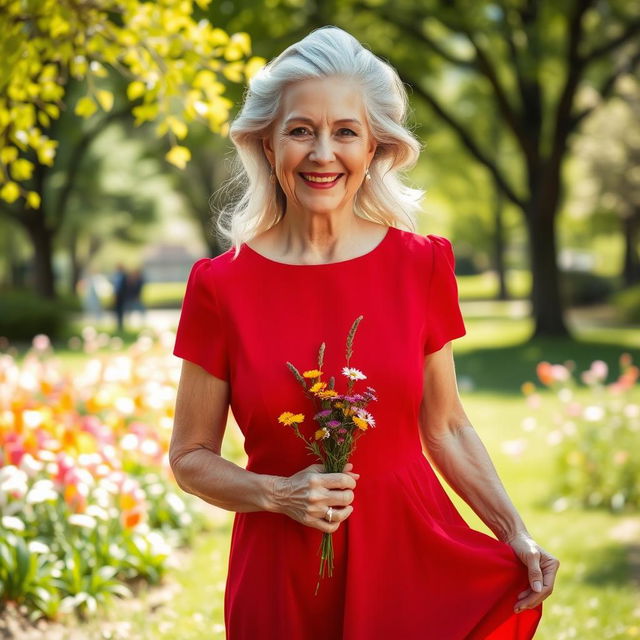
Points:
point(322, 150)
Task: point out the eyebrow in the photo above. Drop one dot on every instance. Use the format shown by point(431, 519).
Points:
point(310, 121)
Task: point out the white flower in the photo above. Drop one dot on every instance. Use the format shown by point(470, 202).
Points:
point(554, 437)
point(593, 413)
point(560, 372)
point(565, 394)
point(13, 480)
point(11, 522)
point(129, 442)
point(30, 465)
point(366, 416)
point(42, 491)
point(82, 520)
point(157, 542)
point(41, 342)
point(96, 511)
point(150, 447)
point(32, 419)
point(514, 447)
point(125, 405)
point(600, 369)
point(35, 546)
point(631, 410)
point(353, 374)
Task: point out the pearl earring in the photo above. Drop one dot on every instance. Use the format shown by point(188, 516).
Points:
point(367, 175)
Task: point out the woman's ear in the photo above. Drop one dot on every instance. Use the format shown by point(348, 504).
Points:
point(373, 147)
point(268, 149)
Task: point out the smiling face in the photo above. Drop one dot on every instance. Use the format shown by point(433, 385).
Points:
point(320, 146)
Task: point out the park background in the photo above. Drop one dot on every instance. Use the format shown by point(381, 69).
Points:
point(114, 120)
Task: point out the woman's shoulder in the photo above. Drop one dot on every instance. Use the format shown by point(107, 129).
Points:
point(425, 247)
point(208, 267)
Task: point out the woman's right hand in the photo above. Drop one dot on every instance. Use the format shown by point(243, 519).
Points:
point(307, 495)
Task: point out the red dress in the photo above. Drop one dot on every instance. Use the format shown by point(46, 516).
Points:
point(407, 565)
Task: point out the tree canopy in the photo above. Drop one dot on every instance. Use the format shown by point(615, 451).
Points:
point(173, 63)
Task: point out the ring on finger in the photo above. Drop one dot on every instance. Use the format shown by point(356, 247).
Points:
point(329, 515)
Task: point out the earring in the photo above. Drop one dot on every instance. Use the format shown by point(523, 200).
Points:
point(272, 176)
point(367, 175)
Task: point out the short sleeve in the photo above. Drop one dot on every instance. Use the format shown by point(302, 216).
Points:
point(444, 317)
point(200, 337)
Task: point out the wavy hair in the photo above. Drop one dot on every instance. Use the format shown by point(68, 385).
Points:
point(326, 51)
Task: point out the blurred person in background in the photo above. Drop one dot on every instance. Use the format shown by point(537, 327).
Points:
point(133, 298)
point(119, 283)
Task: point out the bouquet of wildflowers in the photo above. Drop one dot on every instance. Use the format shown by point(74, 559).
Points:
point(341, 420)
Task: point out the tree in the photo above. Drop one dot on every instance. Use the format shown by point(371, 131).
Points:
point(610, 190)
point(536, 59)
point(535, 62)
point(173, 65)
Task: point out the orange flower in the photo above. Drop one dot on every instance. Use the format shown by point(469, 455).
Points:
point(545, 373)
point(131, 518)
point(328, 393)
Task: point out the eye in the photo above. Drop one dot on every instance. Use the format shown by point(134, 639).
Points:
point(293, 131)
point(349, 130)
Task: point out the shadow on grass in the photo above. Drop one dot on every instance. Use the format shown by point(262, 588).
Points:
point(504, 369)
point(612, 565)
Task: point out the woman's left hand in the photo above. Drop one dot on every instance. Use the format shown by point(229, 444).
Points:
point(542, 568)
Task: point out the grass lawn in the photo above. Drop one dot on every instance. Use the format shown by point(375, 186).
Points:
point(597, 591)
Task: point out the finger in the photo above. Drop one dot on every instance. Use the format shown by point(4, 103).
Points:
point(527, 603)
point(343, 513)
point(549, 569)
point(341, 498)
point(348, 469)
point(338, 481)
point(522, 594)
point(339, 516)
point(535, 572)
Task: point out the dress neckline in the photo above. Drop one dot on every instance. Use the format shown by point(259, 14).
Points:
point(385, 240)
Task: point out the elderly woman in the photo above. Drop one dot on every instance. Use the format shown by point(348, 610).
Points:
point(316, 242)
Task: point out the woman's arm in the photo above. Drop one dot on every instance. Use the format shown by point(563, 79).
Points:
point(202, 407)
point(453, 446)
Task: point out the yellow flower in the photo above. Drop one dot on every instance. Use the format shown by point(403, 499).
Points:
point(322, 433)
point(339, 405)
point(312, 373)
point(318, 386)
point(289, 418)
point(329, 393)
point(527, 388)
point(363, 425)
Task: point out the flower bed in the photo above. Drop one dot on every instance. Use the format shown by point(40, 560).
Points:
point(88, 501)
point(594, 436)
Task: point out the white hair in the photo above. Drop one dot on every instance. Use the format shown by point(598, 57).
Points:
point(324, 52)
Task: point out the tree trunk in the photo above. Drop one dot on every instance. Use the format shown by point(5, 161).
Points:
point(503, 293)
point(75, 262)
point(546, 300)
point(631, 234)
point(42, 241)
